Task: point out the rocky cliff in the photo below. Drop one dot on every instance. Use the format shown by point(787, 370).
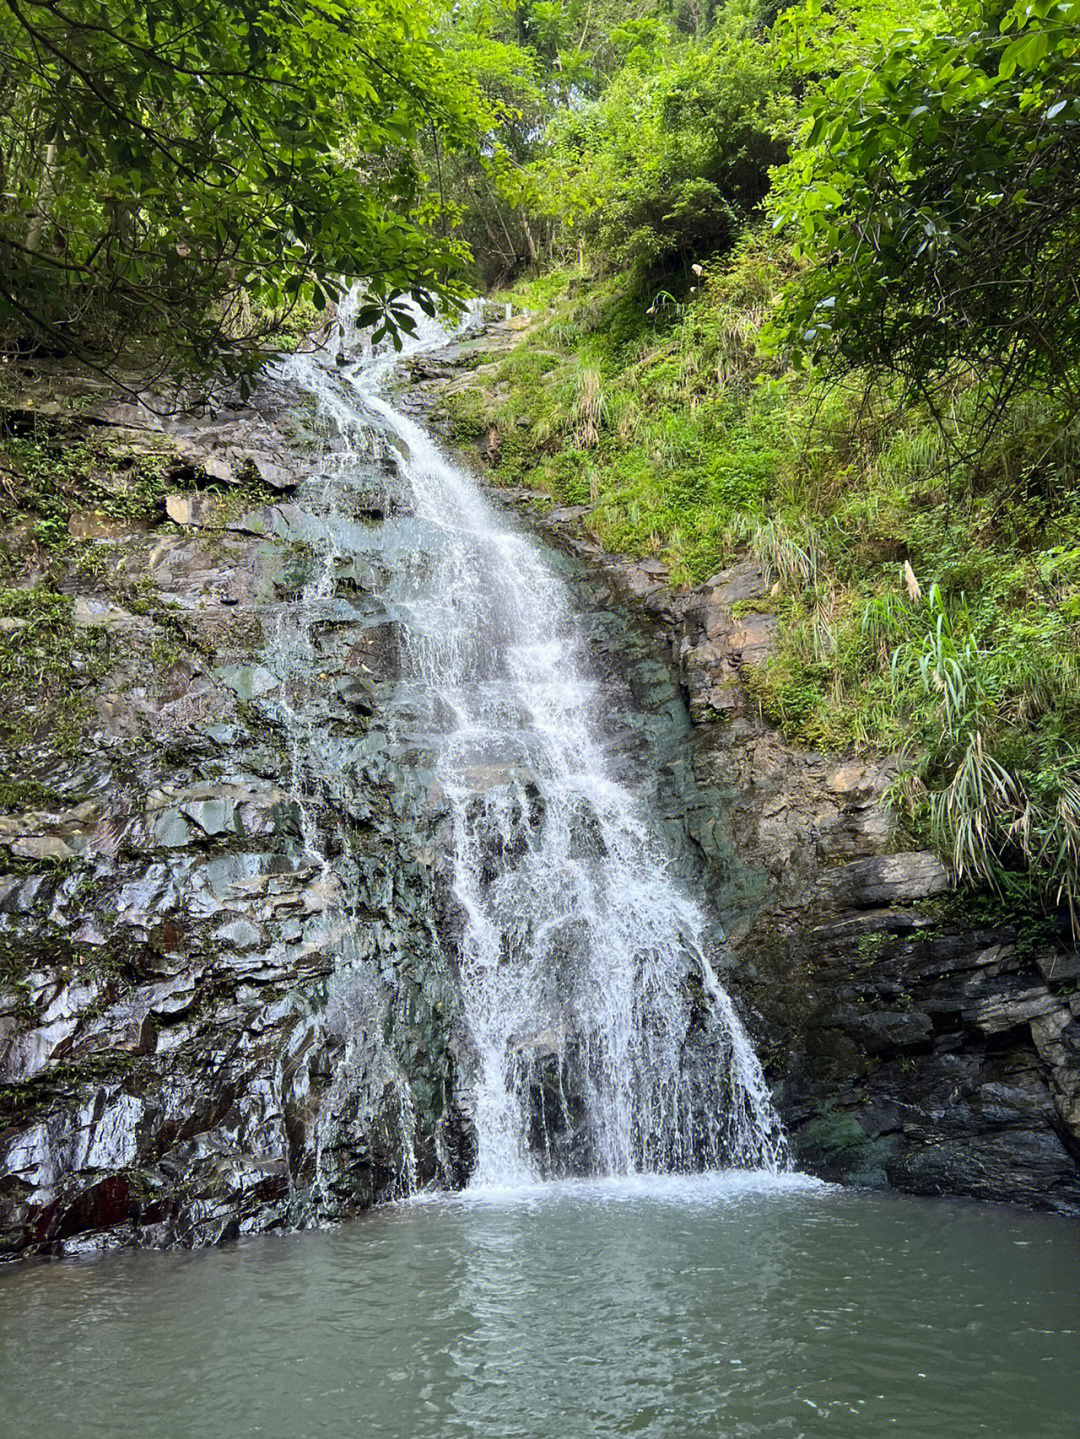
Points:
point(227, 987)
point(223, 1003)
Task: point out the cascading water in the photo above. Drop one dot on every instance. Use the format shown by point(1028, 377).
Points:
point(354, 1015)
point(604, 1042)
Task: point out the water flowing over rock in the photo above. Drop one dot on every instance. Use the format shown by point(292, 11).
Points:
point(357, 893)
point(601, 1039)
point(911, 1037)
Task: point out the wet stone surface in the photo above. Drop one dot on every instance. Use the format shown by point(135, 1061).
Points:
point(224, 1007)
point(228, 998)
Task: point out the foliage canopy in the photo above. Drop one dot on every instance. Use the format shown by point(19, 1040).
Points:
point(936, 194)
point(176, 165)
point(671, 161)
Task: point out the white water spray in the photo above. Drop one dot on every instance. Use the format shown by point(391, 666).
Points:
point(604, 1041)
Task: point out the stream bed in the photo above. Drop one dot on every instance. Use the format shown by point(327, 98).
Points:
point(713, 1307)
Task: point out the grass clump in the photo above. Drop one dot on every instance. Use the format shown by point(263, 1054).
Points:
point(46, 661)
point(49, 476)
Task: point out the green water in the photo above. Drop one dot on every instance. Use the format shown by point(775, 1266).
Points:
point(697, 1309)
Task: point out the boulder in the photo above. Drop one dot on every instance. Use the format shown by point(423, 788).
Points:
point(195, 510)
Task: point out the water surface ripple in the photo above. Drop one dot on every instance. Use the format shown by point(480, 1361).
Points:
point(707, 1307)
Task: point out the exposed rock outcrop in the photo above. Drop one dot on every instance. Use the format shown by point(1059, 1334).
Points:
point(227, 989)
point(223, 1005)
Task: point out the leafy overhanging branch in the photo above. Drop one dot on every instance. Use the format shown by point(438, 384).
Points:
point(192, 171)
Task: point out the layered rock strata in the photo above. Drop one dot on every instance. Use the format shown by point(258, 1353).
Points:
point(228, 1000)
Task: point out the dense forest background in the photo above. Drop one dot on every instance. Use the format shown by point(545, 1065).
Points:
point(809, 278)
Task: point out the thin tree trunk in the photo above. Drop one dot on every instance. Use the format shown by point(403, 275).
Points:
point(533, 252)
point(43, 202)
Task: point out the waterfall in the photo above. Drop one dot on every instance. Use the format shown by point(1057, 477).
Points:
point(602, 1039)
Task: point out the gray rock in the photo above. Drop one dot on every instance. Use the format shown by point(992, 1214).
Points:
point(240, 934)
point(1059, 965)
point(41, 846)
point(1002, 1012)
point(198, 511)
point(887, 879)
point(248, 682)
point(213, 816)
point(93, 613)
point(170, 830)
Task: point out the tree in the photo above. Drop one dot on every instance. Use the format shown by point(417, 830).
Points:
point(532, 60)
point(190, 168)
point(670, 162)
point(936, 193)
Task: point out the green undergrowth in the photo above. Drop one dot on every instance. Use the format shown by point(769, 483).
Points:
point(51, 477)
point(47, 476)
point(928, 602)
point(47, 663)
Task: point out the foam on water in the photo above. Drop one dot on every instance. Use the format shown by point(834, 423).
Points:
point(702, 1189)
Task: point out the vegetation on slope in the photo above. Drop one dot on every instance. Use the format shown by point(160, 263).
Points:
point(811, 279)
point(924, 605)
point(872, 387)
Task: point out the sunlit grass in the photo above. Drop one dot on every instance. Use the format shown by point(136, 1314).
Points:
point(927, 604)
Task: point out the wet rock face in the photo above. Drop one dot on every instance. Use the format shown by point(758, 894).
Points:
point(194, 1042)
point(907, 1046)
point(228, 997)
point(224, 1006)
